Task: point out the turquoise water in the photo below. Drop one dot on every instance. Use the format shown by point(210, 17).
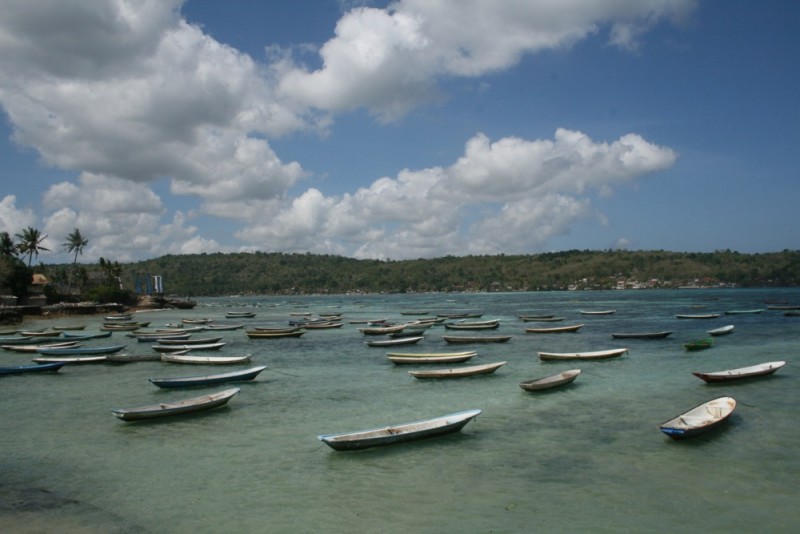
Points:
point(585, 458)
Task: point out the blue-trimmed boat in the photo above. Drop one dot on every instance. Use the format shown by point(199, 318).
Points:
point(208, 380)
point(41, 368)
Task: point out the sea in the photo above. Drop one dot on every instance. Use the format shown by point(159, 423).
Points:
point(587, 457)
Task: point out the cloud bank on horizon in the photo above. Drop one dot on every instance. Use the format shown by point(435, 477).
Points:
point(124, 94)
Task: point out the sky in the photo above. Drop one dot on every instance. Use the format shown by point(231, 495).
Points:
point(400, 130)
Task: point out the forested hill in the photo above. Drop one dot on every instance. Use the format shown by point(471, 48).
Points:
point(277, 273)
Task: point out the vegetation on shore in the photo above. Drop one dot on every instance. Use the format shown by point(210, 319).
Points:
point(284, 274)
point(265, 273)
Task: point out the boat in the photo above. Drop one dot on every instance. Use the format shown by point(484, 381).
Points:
point(721, 331)
point(542, 319)
point(392, 434)
point(699, 419)
point(276, 329)
point(697, 316)
point(119, 317)
point(158, 338)
point(459, 358)
point(222, 327)
point(40, 333)
point(240, 315)
point(699, 344)
point(393, 342)
point(431, 354)
point(744, 312)
point(459, 372)
point(63, 328)
point(130, 358)
point(381, 330)
point(549, 382)
point(761, 369)
point(597, 312)
point(529, 317)
point(82, 336)
point(260, 334)
point(791, 313)
point(322, 325)
point(473, 325)
point(17, 340)
point(591, 355)
point(190, 341)
point(207, 360)
point(35, 348)
point(80, 351)
point(179, 348)
point(164, 409)
point(476, 339)
point(38, 368)
point(188, 381)
point(72, 359)
point(199, 320)
point(555, 329)
point(642, 335)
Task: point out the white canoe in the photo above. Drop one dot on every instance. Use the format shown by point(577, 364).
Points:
point(432, 359)
point(179, 348)
point(555, 329)
point(211, 360)
point(459, 372)
point(761, 369)
point(591, 355)
point(699, 419)
point(721, 331)
point(548, 382)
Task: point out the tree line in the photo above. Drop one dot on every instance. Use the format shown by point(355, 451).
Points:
point(266, 273)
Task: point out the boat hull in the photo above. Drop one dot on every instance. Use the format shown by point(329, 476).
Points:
point(394, 434)
point(169, 409)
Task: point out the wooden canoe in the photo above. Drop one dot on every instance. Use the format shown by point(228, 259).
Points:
point(71, 359)
point(208, 380)
point(699, 344)
point(189, 341)
point(591, 355)
point(721, 331)
point(39, 368)
point(642, 335)
point(597, 312)
point(40, 333)
point(179, 348)
point(431, 354)
point(473, 325)
point(165, 409)
point(432, 359)
point(393, 342)
point(761, 369)
point(697, 316)
point(699, 419)
point(261, 334)
point(476, 339)
point(204, 360)
point(131, 358)
point(555, 329)
point(392, 434)
point(80, 351)
point(381, 330)
point(549, 382)
point(459, 372)
point(744, 312)
point(35, 348)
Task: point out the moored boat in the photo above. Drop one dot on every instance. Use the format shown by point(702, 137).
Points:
point(699, 419)
point(549, 382)
point(476, 339)
point(597, 312)
point(699, 344)
point(393, 342)
point(744, 312)
point(392, 434)
point(188, 381)
point(164, 409)
point(642, 335)
point(458, 358)
point(381, 330)
point(35, 348)
point(697, 315)
point(554, 329)
point(459, 372)
point(189, 341)
point(473, 325)
point(51, 367)
point(721, 331)
point(79, 351)
point(261, 334)
point(751, 371)
point(590, 355)
point(72, 359)
point(204, 360)
point(180, 348)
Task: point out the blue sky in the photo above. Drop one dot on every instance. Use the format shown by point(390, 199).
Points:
point(400, 130)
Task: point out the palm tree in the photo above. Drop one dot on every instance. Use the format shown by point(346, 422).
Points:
point(75, 243)
point(7, 246)
point(30, 243)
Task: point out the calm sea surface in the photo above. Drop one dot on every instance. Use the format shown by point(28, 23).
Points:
point(585, 458)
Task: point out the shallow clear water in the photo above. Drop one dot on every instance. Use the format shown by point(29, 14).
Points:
point(587, 457)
